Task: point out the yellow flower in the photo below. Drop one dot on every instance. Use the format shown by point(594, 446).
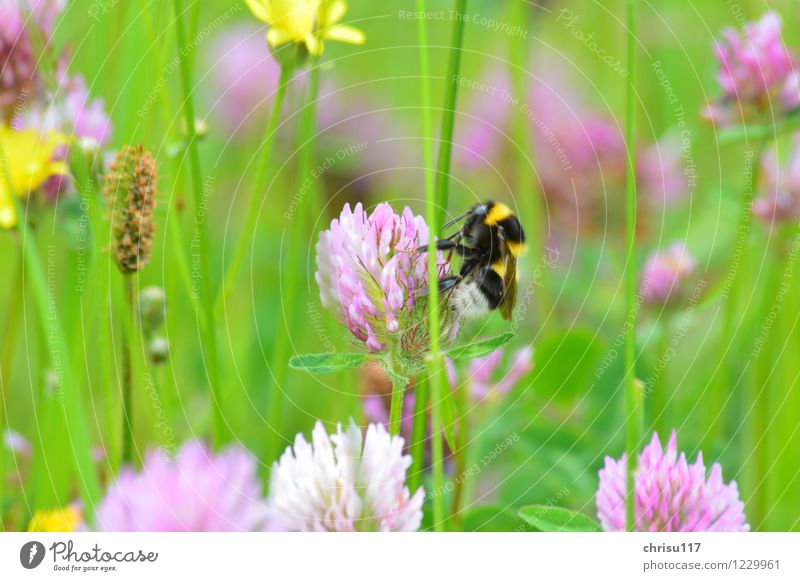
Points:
point(307, 22)
point(60, 520)
point(26, 162)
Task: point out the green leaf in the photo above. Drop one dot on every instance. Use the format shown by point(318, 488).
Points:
point(447, 416)
point(567, 364)
point(492, 518)
point(479, 349)
point(551, 519)
point(750, 132)
point(327, 362)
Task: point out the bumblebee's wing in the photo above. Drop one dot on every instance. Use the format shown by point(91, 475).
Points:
point(509, 297)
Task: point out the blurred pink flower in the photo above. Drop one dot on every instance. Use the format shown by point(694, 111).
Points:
point(18, 72)
point(579, 152)
point(369, 275)
point(665, 273)
point(198, 491)
point(756, 73)
point(17, 443)
point(779, 199)
point(482, 129)
point(660, 172)
point(244, 76)
point(344, 482)
point(69, 111)
point(366, 140)
point(671, 494)
point(482, 371)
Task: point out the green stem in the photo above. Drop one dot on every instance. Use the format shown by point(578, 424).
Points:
point(722, 384)
point(127, 372)
point(658, 394)
point(530, 198)
point(448, 118)
point(442, 190)
point(6, 364)
point(259, 185)
point(633, 413)
point(209, 339)
point(418, 433)
point(396, 404)
point(98, 277)
point(760, 415)
point(69, 395)
point(462, 403)
point(436, 371)
point(297, 233)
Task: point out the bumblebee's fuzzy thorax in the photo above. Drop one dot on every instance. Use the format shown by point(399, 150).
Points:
point(489, 242)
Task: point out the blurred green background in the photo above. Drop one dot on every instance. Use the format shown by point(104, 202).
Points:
point(569, 412)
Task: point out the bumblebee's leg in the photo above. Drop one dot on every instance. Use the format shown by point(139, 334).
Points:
point(468, 266)
point(445, 284)
point(444, 245)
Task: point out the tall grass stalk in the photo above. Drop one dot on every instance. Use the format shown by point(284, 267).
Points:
point(68, 395)
point(658, 390)
point(168, 109)
point(259, 185)
point(127, 370)
point(97, 301)
point(449, 110)
point(442, 187)
point(297, 235)
point(722, 384)
point(763, 395)
point(633, 395)
point(6, 364)
point(207, 326)
point(419, 428)
point(436, 371)
point(528, 194)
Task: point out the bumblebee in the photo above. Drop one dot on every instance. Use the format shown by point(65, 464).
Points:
point(489, 242)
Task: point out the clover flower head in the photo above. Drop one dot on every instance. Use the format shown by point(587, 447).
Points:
point(756, 73)
point(305, 22)
point(671, 494)
point(198, 491)
point(345, 482)
point(370, 275)
point(665, 273)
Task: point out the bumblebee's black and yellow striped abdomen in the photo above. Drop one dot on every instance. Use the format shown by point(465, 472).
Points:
point(490, 241)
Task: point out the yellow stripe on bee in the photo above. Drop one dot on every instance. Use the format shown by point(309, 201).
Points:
point(516, 248)
point(498, 213)
point(499, 267)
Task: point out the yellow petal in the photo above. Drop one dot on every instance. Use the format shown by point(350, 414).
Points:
point(260, 9)
point(313, 44)
point(278, 36)
point(333, 13)
point(57, 168)
point(344, 33)
point(8, 217)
